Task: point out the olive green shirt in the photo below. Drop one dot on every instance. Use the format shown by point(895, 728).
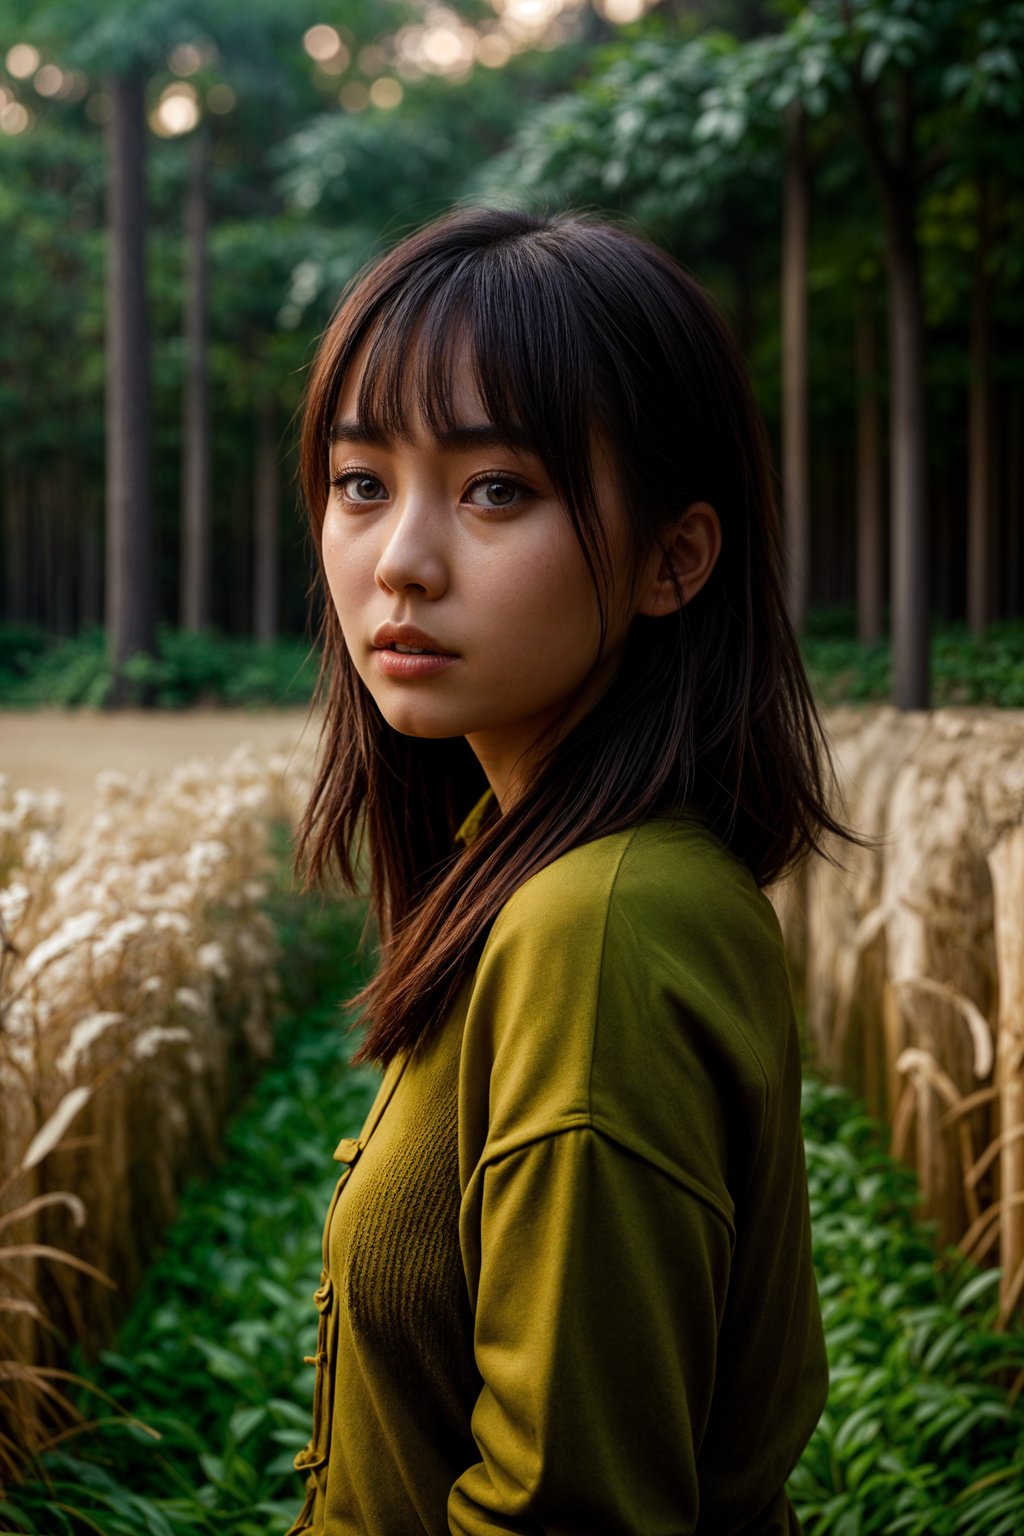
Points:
point(567, 1282)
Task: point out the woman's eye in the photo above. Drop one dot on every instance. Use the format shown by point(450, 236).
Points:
point(357, 487)
point(495, 493)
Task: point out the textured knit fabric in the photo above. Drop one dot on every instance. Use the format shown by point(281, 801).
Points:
point(567, 1282)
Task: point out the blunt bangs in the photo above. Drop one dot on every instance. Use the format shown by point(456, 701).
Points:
point(511, 314)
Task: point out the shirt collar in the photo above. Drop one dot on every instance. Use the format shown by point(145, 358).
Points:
point(471, 826)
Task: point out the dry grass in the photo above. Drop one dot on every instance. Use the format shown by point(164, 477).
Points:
point(912, 962)
point(137, 996)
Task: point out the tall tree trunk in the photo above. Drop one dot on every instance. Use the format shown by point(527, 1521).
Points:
point(130, 620)
point(1013, 501)
point(237, 617)
point(826, 556)
point(46, 523)
point(266, 573)
point(90, 581)
point(66, 570)
point(196, 546)
point(896, 174)
point(870, 546)
point(795, 435)
point(948, 539)
point(911, 549)
point(16, 563)
point(980, 510)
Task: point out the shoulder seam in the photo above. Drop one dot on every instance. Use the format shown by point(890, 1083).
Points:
point(581, 1122)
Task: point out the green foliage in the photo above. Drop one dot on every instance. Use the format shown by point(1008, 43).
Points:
point(188, 669)
point(922, 1433)
point(964, 669)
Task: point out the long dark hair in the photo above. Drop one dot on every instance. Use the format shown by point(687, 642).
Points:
point(574, 326)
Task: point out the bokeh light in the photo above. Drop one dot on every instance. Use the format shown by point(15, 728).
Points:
point(186, 59)
point(76, 85)
point(22, 62)
point(386, 92)
point(493, 50)
point(321, 42)
point(354, 96)
point(14, 118)
point(441, 45)
point(338, 62)
point(177, 111)
point(621, 12)
point(49, 80)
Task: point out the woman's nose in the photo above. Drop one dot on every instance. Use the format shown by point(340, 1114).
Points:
point(412, 559)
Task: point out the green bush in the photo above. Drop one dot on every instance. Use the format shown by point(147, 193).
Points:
point(964, 670)
point(923, 1433)
point(188, 669)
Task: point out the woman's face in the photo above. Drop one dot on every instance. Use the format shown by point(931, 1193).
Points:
point(462, 593)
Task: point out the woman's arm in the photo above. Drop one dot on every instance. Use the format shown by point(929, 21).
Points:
point(602, 1285)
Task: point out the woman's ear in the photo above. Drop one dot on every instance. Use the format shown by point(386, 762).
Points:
point(689, 549)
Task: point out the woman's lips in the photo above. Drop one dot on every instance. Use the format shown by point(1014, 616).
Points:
point(407, 637)
point(404, 651)
point(402, 664)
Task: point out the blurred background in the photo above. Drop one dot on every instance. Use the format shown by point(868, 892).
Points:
point(187, 188)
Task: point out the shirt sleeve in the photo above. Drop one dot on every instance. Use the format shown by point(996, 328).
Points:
point(602, 1286)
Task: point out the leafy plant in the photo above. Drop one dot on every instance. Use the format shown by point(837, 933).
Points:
point(188, 669)
point(924, 1428)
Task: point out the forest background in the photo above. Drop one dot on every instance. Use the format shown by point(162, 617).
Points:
point(244, 161)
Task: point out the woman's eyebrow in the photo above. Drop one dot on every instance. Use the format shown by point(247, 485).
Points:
point(482, 435)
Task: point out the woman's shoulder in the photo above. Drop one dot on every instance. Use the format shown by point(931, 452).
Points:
point(661, 872)
point(638, 985)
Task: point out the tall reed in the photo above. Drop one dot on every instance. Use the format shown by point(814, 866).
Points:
point(911, 962)
point(138, 991)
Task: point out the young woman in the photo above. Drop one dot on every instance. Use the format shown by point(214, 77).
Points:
point(566, 1282)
